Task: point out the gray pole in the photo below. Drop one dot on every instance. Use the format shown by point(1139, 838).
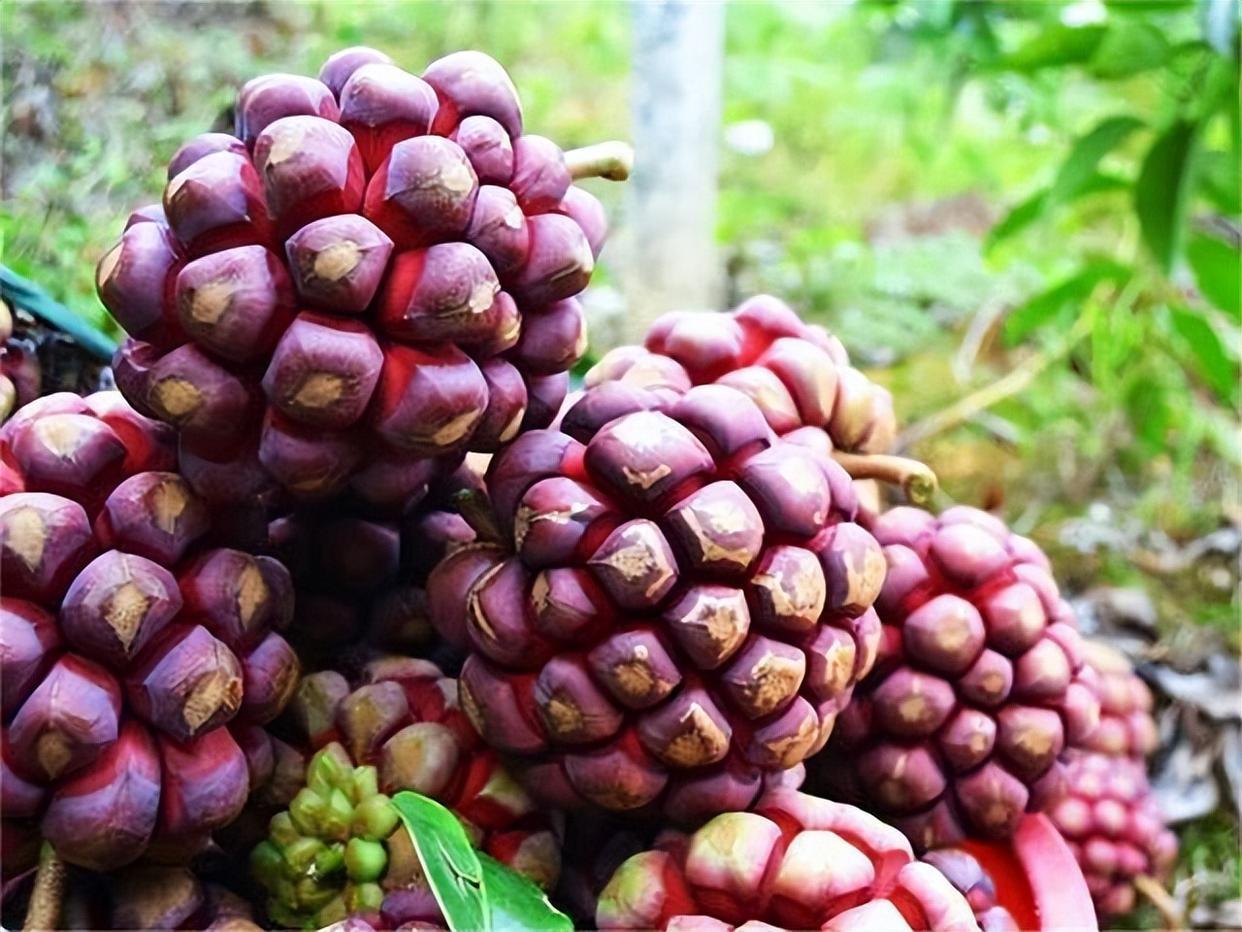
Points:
point(669, 253)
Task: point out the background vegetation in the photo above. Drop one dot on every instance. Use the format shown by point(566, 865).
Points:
point(1023, 217)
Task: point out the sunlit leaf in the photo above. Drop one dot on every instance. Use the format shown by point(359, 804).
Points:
point(1160, 194)
point(1129, 47)
point(449, 861)
point(1218, 271)
point(1209, 356)
point(1079, 167)
point(1020, 217)
point(1047, 305)
point(516, 903)
point(1057, 44)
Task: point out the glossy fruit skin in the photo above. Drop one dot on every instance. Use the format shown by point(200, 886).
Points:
point(979, 688)
point(133, 650)
point(376, 269)
point(399, 729)
point(797, 373)
point(681, 604)
point(967, 875)
point(796, 862)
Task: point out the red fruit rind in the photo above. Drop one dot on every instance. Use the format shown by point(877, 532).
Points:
point(797, 373)
point(796, 862)
point(1114, 828)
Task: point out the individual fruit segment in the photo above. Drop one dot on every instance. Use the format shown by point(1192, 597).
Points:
point(979, 688)
point(797, 373)
point(340, 848)
point(127, 644)
point(795, 862)
point(344, 281)
point(686, 605)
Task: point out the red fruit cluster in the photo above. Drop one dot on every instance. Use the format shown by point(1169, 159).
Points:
point(796, 862)
point(376, 270)
point(976, 693)
point(1114, 827)
point(137, 661)
point(681, 604)
point(797, 373)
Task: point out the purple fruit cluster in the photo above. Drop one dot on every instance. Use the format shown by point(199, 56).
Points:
point(137, 660)
point(977, 692)
point(374, 274)
point(681, 604)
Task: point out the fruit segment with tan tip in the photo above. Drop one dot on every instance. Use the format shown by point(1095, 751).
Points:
point(979, 689)
point(797, 373)
point(681, 603)
point(375, 265)
point(131, 646)
point(340, 849)
point(795, 862)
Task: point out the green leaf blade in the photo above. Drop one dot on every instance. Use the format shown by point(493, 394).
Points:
point(449, 861)
point(1080, 166)
point(1048, 304)
point(1160, 194)
point(1218, 272)
point(516, 903)
point(1209, 355)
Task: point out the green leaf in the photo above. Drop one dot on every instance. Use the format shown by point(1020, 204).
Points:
point(1219, 180)
point(1129, 47)
point(1021, 216)
point(1160, 194)
point(1210, 358)
point(449, 861)
point(1057, 44)
point(1218, 271)
point(1080, 166)
point(1047, 304)
point(516, 903)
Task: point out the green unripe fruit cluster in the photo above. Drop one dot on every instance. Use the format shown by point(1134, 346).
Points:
point(325, 856)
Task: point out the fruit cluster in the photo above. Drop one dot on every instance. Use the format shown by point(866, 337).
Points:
point(681, 603)
point(619, 631)
point(339, 850)
point(136, 655)
point(375, 273)
point(977, 692)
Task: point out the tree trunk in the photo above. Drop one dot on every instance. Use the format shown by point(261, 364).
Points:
point(670, 258)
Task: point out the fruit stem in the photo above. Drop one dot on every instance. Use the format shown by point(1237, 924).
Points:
point(613, 160)
point(48, 893)
point(474, 506)
point(1170, 910)
point(916, 479)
